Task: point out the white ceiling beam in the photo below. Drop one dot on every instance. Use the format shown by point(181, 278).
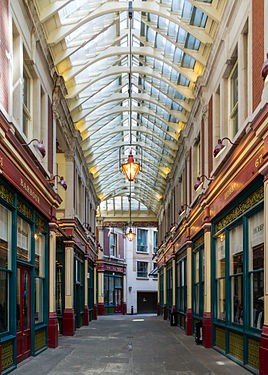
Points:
point(115, 70)
point(155, 53)
point(59, 33)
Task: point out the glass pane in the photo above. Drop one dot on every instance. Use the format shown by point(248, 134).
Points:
point(111, 291)
point(106, 280)
point(39, 254)
point(18, 300)
point(256, 241)
point(142, 240)
point(23, 239)
point(118, 281)
point(221, 299)
point(26, 307)
point(59, 285)
point(236, 250)
point(197, 267)
point(257, 299)
point(5, 237)
point(3, 301)
point(38, 300)
point(237, 299)
point(182, 299)
point(220, 256)
point(197, 299)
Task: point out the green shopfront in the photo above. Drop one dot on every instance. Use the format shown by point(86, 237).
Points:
point(238, 279)
point(23, 278)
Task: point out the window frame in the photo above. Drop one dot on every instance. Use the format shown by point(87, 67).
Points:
point(144, 244)
point(245, 329)
point(233, 108)
point(27, 110)
point(142, 276)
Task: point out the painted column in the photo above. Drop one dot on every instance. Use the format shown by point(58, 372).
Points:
point(86, 293)
point(165, 293)
point(52, 316)
point(95, 293)
point(158, 293)
point(188, 327)
point(207, 287)
point(124, 294)
point(263, 353)
point(101, 310)
point(173, 285)
point(68, 315)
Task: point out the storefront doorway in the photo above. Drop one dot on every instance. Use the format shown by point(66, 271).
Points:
point(23, 313)
point(118, 301)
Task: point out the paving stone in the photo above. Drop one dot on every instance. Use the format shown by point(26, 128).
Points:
point(117, 345)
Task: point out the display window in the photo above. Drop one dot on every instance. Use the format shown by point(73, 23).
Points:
point(181, 295)
point(198, 266)
point(238, 274)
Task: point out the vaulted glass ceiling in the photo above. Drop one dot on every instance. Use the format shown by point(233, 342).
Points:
point(90, 45)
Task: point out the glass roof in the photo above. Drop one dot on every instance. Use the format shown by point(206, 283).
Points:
point(90, 45)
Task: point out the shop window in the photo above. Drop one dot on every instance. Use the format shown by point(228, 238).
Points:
point(26, 100)
point(5, 264)
point(155, 242)
point(233, 100)
point(59, 283)
point(23, 240)
point(236, 273)
point(198, 280)
point(256, 268)
point(220, 276)
point(169, 286)
point(5, 238)
point(40, 246)
point(113, 244)
point(181, 285)
point(90, 287)
point(142, 240)
point(142, 269)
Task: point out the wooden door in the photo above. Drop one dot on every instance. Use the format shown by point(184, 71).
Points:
point(118, 301)
point(23, 313)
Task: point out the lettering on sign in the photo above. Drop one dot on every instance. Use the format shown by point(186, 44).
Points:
point(229, 191)
point(29, 190)
point(258, 161)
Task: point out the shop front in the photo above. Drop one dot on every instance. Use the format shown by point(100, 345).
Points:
point(238, 277)
point(27, 207)
point(113, 293)
point(111, 288)
point(198, 272)
point(23, 277)
point(181, 287)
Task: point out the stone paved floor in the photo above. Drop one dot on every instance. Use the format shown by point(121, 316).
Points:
point(121, 345)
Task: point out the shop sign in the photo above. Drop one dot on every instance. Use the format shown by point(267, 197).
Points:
point(246, 175)
point(21, 183)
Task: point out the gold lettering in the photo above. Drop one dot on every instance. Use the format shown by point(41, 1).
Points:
point(29, 190)
point(258, 160)
point(230, 190)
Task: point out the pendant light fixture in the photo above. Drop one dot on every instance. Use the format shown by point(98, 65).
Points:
point(130, 235)
point(130, 168)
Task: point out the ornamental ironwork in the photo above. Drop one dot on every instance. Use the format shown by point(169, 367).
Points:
point(24, 209)
point(6, 194)
point(249, 202)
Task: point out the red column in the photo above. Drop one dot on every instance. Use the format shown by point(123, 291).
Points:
point(68, 322)
point(95, 312)
point(52, 330)
point(188, 325)
point(86, 317)
point(101, 309)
